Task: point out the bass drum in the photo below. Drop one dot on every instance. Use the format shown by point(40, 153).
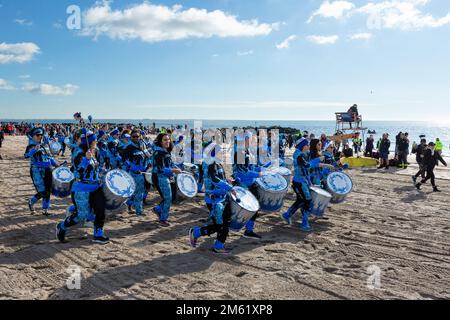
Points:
point(244, 206)
point(55, 147)
point(272, 188)
point(118, 187)
point(320, 201)
point(62, 179)
point(186, 186)
point(340, 185)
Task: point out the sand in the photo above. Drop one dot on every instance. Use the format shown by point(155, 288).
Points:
point(384, 225)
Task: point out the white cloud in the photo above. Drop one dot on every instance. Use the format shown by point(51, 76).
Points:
point(361, 36)
point(245, 53)
point(286, 43)
point(387, 14)
point(5, 85)
point(24, 22)
point(154, 23)
point(401, 14)
point(335, 9)
point(17, 52)
point(323, 39)
point(50, 90)
point(24, 76)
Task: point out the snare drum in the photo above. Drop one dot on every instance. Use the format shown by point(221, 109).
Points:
point(118, 187)
point(243, 207)
point(272, 188)
point(320, 201)
point(62, 178)
point(340, 185)
point(285, 172)
point(186, 186)
point(55, 147)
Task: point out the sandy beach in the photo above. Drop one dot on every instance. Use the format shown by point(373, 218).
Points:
point(385, 223)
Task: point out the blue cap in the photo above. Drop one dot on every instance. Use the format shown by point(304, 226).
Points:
point(101, 133)
point(114, 132)
point(301, 143)
point(90, 136)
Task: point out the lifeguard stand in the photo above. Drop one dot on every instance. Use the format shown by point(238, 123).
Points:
point(343, 125)
point(348, 128)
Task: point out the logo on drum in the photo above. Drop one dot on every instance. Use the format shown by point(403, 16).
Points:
point(73, 282)
point(374, 279)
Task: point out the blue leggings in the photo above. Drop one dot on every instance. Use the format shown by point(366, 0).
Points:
point(42, 181)
point(138, 196)
point(164, 188)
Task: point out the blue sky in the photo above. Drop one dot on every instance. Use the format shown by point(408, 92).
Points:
point(226, 59)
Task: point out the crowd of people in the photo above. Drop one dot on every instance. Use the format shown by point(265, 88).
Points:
point(95, 151)
point(99, 148)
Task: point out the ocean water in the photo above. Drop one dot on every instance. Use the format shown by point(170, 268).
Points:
point(415, 129)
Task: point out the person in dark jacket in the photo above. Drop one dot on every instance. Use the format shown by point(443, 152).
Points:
point(370, 145)
point(420, 154)
point(385, 144)
point(430, 161)
point(403, 151)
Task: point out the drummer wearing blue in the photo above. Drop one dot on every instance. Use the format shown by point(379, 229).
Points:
point(216, 198)
point(302, 182)
point(41, 173)
point(135, 163)
point(61, 138)
point(76, 150)
point(163, 173)
point(246, 174)
point(103, 149)
point(112, 151)
point(89, 196)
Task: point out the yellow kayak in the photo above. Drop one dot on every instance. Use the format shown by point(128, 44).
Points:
point(360, 162)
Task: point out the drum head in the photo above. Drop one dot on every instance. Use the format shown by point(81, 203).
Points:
point(120, 183)
point(281, 170)
point(340, 183)
point(55, 147)
point(247, 199)
point(321, 192)
point(187, 185)
point(63, 174)
point(272, 182)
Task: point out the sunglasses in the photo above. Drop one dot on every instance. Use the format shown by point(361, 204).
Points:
point(136, 137)
point(38, 134)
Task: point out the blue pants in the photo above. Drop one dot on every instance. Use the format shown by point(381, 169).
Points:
point(138, 196)
point(42, 181)
point(88, 203)
point(164, 188)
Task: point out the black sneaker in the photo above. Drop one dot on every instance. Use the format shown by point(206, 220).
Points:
point(414, 179)
point(252, 235)
point(435, 189)
point(31, 207)
point(45, 212)
point(101, 240)
point(418, 186)
point(130, 210)
point(60, 233)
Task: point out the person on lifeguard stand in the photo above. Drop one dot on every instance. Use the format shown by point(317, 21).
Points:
point(351, 115)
